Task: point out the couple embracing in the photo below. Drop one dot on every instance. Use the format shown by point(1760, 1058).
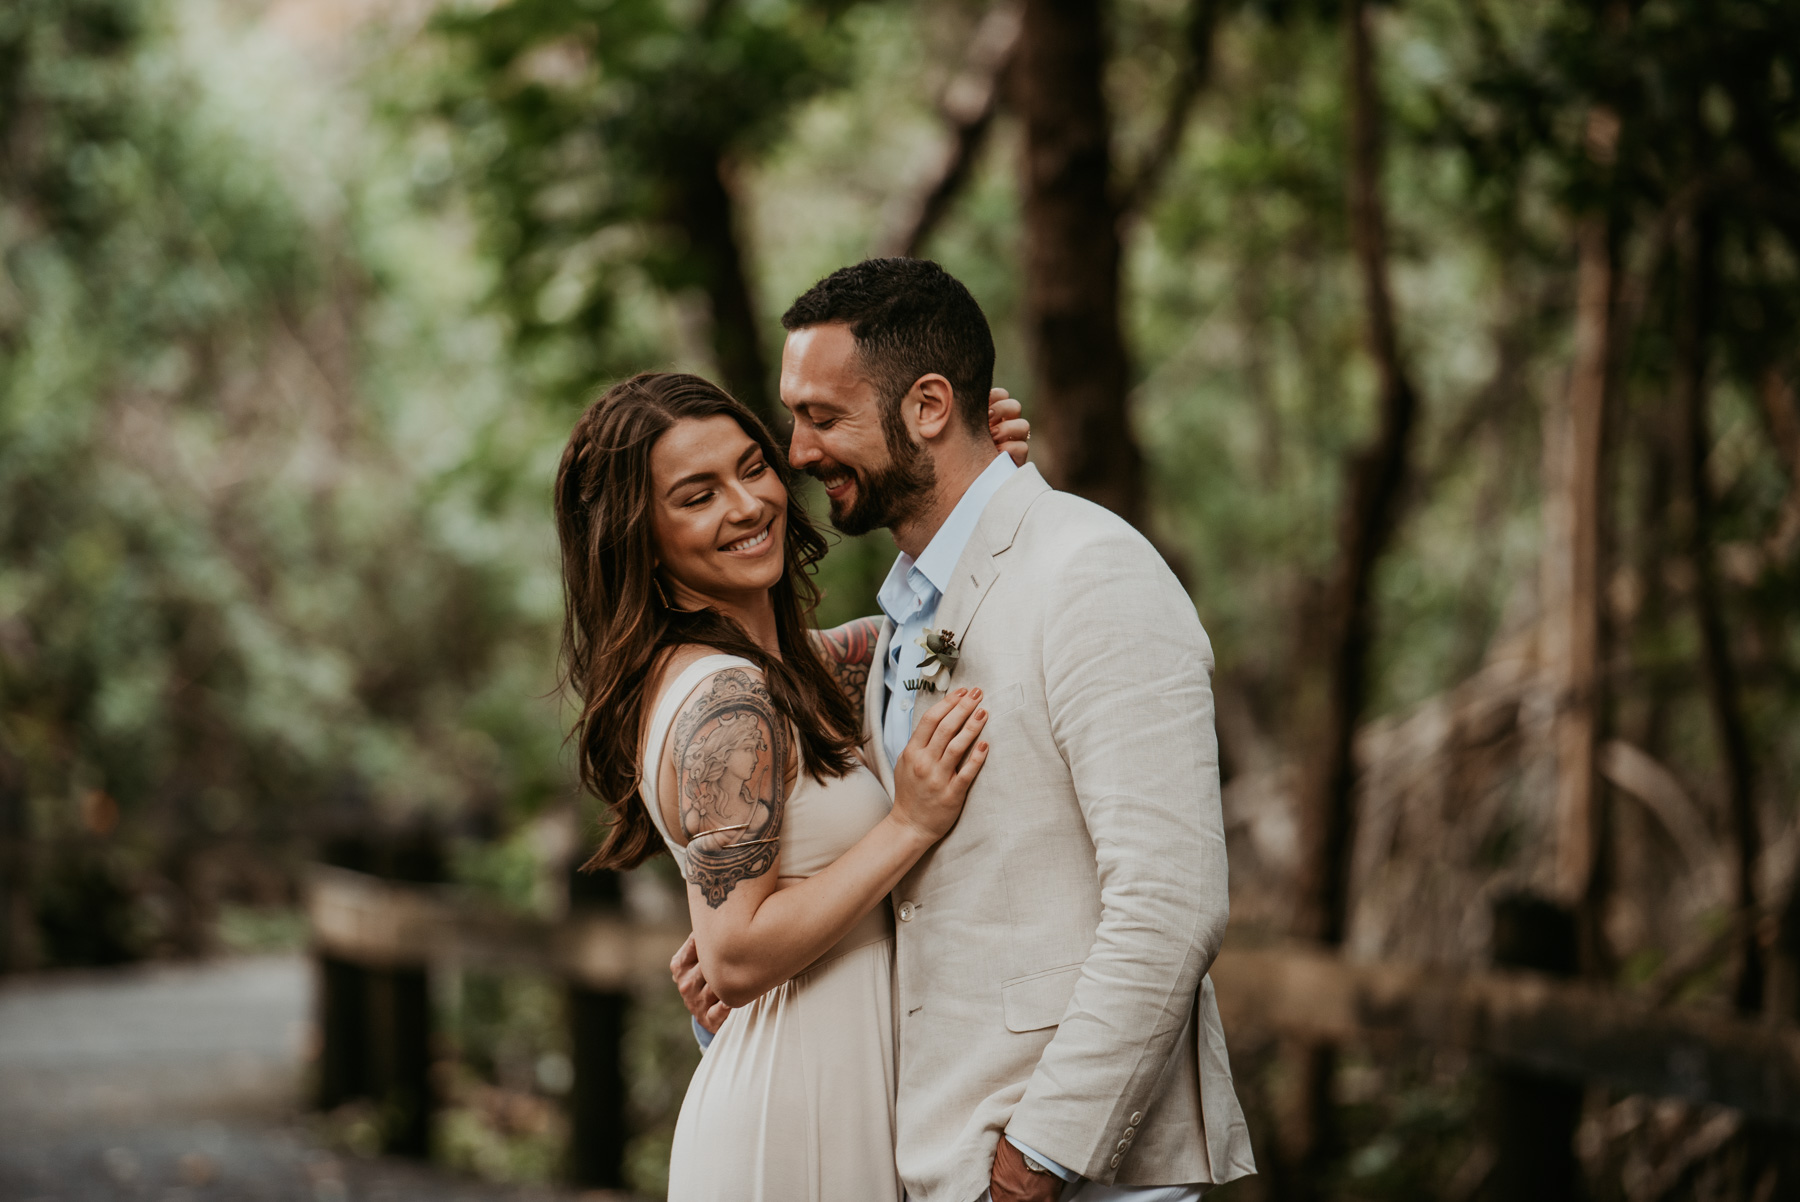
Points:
point(956, 873)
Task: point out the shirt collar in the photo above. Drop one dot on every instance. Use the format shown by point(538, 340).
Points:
point(936, 564)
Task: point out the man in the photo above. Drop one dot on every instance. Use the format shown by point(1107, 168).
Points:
point(1051, 952)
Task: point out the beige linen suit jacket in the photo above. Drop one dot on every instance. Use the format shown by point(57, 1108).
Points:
point(1052, 949)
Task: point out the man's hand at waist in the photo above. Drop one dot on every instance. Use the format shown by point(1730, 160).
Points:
point(701, 1002)
point(1014, 1180)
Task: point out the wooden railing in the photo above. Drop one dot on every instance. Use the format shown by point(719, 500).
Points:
point(1557, 1028)
point(377, 940)
point(386, 924)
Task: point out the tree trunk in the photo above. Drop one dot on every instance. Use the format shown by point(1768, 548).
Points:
point(1569, 648)
point(1695, 249)
point(1783, 421)
point(1375, 480)
point(1079, 365)
point(706, 212)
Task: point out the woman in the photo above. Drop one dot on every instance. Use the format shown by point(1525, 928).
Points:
point(716, 724)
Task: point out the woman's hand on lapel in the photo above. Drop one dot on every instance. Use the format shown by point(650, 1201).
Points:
point(941, 761)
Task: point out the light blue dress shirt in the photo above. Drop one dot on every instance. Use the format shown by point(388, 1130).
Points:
point(910, 596)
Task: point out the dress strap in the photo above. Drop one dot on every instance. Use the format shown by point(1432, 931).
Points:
point(667, 705)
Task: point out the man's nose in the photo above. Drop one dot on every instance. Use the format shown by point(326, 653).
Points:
point(803, 448)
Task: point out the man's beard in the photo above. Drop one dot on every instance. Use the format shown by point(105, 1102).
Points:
point(889, 495)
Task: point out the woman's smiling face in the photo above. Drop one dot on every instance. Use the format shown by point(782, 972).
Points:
point(718, 513)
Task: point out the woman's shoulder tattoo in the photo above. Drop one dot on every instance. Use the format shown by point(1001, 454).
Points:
point(731, 750)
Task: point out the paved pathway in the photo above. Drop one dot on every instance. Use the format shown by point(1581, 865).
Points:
point(178, 1084)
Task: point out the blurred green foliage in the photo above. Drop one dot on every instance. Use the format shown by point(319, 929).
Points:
point(267, 564)
point(593, 138)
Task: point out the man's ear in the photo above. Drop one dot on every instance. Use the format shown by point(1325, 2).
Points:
point(932, 404)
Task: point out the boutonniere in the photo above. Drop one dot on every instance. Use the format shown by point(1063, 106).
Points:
point(941, 654)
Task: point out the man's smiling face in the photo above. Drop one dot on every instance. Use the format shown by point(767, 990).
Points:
point(873, 471)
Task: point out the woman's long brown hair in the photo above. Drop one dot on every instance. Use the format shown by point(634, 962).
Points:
point(615, 622)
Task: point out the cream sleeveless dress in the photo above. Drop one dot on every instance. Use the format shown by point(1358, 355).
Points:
point(794, 1099)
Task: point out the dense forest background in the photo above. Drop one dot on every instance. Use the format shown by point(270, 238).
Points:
point(1447, 349)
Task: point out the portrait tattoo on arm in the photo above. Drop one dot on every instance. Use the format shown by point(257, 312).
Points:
point(731, 750)
point(850, 653)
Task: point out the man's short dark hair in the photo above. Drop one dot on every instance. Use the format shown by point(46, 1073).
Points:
point(910, 318)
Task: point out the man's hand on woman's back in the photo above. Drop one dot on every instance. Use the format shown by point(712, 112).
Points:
point(696, 994)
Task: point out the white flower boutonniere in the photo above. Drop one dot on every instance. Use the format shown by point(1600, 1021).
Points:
point(941, 654)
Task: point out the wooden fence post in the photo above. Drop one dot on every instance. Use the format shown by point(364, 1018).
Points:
point(18, 922)
point(599, 1125)
point(343, 1031)
point(400, 1058)
point(599, 1115)
point(1775, 1150)
point(1534, 1116)
point(375, 1022)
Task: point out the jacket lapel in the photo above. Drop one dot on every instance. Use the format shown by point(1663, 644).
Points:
point(979, 565)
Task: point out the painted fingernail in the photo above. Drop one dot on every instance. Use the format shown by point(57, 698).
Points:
point(981, 713)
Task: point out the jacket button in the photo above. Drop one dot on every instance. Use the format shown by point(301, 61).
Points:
point(1115, 1160)
point(906, 911)
point(1123, 1144)
point(1137, 1116)
point(1130, 1131)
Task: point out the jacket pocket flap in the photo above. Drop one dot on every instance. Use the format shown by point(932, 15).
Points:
point(1004, 699)
point(1038, 1001)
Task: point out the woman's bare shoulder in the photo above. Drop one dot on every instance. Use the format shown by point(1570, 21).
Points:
point(673, 661)
point(668, 666)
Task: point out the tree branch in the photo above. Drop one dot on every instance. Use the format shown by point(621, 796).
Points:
point(968, 105)
point(1194, 77)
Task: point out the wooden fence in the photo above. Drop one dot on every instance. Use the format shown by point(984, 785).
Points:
point(1558, 1028)
point(377, 940)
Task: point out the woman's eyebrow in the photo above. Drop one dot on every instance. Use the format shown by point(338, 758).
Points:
point(690, 478)
point(703, 477)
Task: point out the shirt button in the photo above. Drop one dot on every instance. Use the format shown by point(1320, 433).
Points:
point(906, 911)
point(1115, 1160)
point(1137, 1116)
